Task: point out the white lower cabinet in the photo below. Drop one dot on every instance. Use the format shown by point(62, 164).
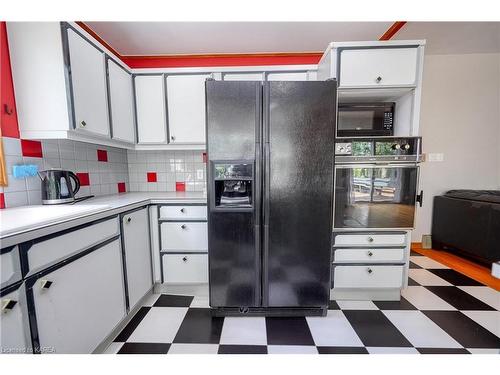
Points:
point(137, 254)
point(368, 276)
point(83, 303)
point(185, 268)
point(184, 236)
point(14, 328)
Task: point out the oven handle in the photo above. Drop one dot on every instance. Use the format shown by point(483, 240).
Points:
point(420, 198)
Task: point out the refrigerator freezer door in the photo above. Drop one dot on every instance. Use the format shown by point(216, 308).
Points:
point(234, 122)
point(299, 126)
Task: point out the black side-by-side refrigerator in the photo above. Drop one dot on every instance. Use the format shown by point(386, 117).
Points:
point(270, 187)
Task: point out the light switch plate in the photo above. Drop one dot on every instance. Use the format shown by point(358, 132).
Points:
point(435, 157)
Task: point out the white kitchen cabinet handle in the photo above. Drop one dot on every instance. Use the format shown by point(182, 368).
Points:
point(370, 253)
point(172, 138)
point(7, 305)
point(129, 219)
point(183, 226)
point(378, 79)
point(185, 259)
point(370, 239)
point(45, 284)
point(83, 124)
point(183, 210)
point(369, 270)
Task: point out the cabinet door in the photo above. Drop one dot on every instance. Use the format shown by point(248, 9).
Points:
point(121, 103)
point(150, 107)
point(14, 329)
point(186, 108)
point(84, 303)
point(137, 254)
point(88, 77)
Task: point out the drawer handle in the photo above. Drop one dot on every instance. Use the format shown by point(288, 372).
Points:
point(129, 219)
point(183, 210)
point(46, 284)
point(83, 124)
point(378, 79)
point(369, 270)
point(185, 259)
point(172, 138)
point(370, 253)
point(370, 239)
point(7, 305)
point(183, 226)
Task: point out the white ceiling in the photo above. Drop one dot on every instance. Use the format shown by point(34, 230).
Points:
point(164, 38)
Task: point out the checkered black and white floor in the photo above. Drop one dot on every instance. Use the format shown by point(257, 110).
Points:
point(441, 311)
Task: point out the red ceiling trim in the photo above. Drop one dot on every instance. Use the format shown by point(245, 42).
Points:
point(391, 31)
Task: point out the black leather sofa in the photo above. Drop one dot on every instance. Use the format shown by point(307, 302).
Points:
point(468, 222)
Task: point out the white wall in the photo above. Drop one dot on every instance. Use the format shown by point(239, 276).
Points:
point(460, 117)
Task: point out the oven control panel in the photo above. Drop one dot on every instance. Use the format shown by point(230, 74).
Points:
point(378, 149)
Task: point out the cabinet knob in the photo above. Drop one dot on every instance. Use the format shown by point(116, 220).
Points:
point(369, 270)
point(8, 304)
point(83, 124)
point(183, 226)
point(185, 259)
point(378, 79)
point(172, 138)
point(129, 219)
point(183, 210)
point(370, 253)
point(45, 284)
point(370, 239)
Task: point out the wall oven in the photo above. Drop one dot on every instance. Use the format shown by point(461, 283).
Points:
point(365, 119)
point(376, 183)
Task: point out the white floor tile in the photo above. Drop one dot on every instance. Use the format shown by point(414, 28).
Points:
point(356, 305)
point(291, 349)
point(201, 302)
point(425, 262)
point(244, 331)
point(333, 330)
point(488, 319)
point(113, 348)
point(384, 350)
point(483, 293)
point(427, 278)
point(159, 325)
point(150, 301)
point(420, 330)
point(424, 299)
point(193, 349)
point(484, 351)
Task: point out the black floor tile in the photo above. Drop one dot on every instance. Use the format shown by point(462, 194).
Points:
point(442, 351)
point(458, 298)
point(333, 305)
point(144, 348)
point(412, 282)
point(242, 349)
point(200, 327)
point(415, 266)
point(374, 329)
point(170, 300)
point(342, 350)
point(402, 304)
point(467, 332)
point(132, 325)
point(454, 277)
point(288, 331)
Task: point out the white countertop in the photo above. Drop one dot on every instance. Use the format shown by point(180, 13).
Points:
point(18, 220)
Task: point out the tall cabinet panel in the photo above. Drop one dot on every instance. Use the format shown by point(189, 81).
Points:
point(150, 107)
point(121, 102)
point(298, 173)
point(88, 79)
point(186, 108)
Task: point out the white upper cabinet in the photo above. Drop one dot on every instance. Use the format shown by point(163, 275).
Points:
point(121, 102)
point(374, 67)
point(88, 78)
point(150, 107)
point(186, 108)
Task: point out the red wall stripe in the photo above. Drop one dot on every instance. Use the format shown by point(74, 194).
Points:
point(122, 188)
point(391, 31)
point(8, 116)
point(102, 155)
point(2, 201)
point(31, 148)
point(151, 176)
point(84, 179)
point(180, 186)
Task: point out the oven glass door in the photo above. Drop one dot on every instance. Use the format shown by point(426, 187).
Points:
point(372, 196)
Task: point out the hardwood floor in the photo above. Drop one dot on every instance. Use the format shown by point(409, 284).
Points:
point(473, 270)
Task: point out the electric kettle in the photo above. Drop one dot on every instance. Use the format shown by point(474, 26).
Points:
point(57, 187)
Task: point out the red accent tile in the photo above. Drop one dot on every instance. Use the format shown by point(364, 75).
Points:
point(31, 148)
point(84, 179)
point(205, 157)
point(151, 176)
point(121, 187)
point(102, 155)
point(180, 186)
point(8, 113)
point(2, 201)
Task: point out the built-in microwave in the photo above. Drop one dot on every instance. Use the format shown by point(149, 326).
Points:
point(365, 119)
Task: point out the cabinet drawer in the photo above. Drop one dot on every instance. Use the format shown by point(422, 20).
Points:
point(185, 268)
point(184, 236)
point(183, 212)
point(52, 250)
point(368, 276)
point(370, 240)
point(378, 67)
point(10, 271)
point(369, 255)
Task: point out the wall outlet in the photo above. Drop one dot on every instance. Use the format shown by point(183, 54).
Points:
point(435, 157)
